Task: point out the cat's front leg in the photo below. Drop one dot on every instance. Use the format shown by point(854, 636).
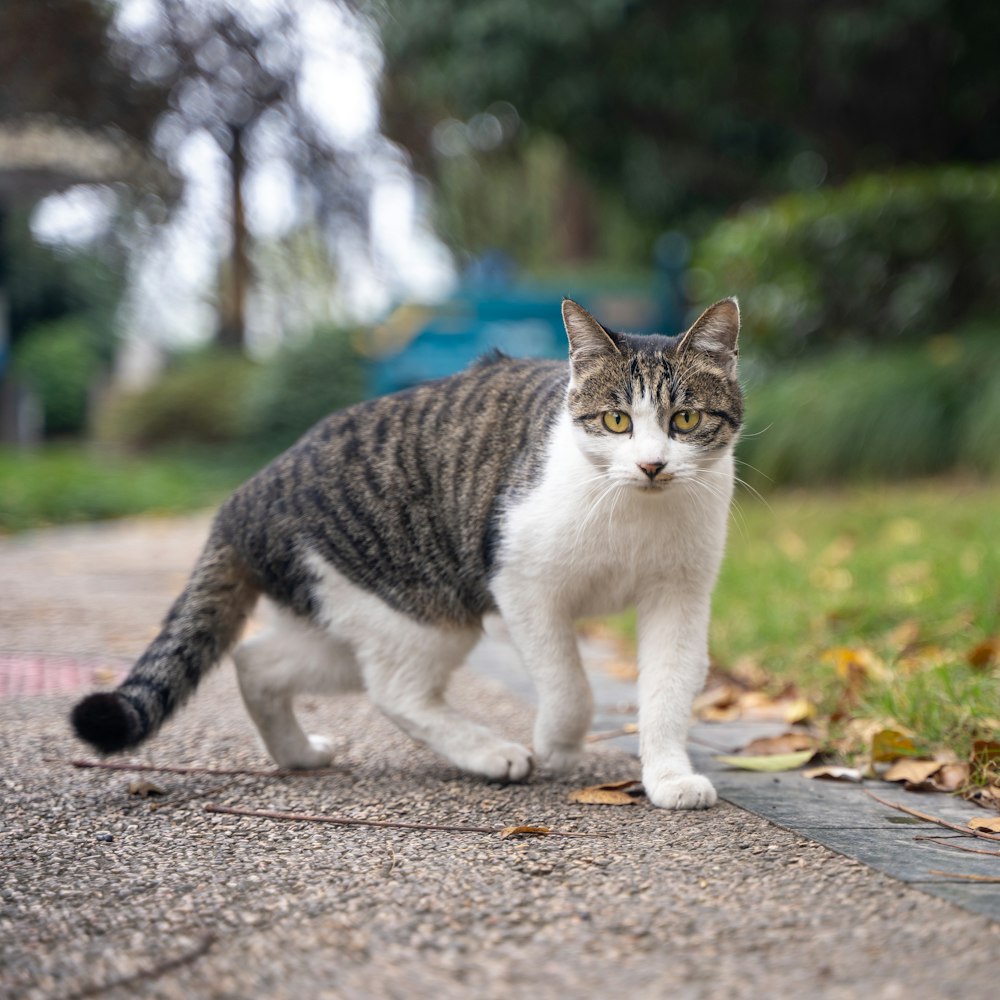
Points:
point(673, 661)
point(546, 641)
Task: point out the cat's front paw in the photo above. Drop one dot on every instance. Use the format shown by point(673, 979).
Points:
point(498, 761)
point(690, 791)
point(558, 760)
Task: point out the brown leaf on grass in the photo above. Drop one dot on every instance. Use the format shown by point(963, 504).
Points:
point(524, 831)
point(989, 824)
point(952, 777)
point(985, 753)
point(987, 796)
point(718, 703)
point(785, 743)
point(144, 789)
point(905, 635)
point(912, 771)
point(889, 745)
point(611, 794)
point(725, 702)
point(986, 653)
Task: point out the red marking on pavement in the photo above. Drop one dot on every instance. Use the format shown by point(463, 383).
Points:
point(23, 674)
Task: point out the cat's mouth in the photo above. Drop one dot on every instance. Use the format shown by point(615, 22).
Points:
point(655, 485)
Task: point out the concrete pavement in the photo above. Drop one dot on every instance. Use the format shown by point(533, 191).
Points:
point(100, 886)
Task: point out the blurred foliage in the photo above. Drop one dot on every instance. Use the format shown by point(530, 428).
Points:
point(43, 284)
point(683, 108)
point(302, 383)
point(210, 397)
point(198, 401)
point(885, 258)
point(59, 361)
point(59, 484)
point(58, 60)
point(882, 414)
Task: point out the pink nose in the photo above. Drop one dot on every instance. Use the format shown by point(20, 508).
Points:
point(652, 469)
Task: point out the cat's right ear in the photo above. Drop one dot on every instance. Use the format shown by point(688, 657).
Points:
point(588, 340)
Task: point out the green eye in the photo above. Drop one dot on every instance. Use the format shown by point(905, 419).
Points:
point(616, 421)
point(685, 421)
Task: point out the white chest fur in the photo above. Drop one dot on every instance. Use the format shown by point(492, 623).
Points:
point(593, 544)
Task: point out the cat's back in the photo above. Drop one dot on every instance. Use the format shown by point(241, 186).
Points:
point(401, 494)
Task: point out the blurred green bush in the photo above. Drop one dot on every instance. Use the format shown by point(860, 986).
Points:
point(59, 362)
point(209, 397)
point(887, 258)
point(876, 414)
point(304, 381)
point(199, 400)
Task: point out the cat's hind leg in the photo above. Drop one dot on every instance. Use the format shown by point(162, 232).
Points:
point(406, 665)
point(406, 671)
point(292, 656)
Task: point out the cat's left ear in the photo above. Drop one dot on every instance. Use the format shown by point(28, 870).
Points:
point(715, 331)
point(588, 340)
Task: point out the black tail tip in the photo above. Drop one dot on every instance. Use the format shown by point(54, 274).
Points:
point(106, 721)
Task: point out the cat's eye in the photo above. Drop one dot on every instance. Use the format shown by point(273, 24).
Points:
point(685, 421)
point(616, 421)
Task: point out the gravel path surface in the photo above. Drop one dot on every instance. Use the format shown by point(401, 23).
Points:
point(98, 884)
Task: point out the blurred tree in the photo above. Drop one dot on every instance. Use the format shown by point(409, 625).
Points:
point(688, 108)
point(233, 72)
point(58, 60)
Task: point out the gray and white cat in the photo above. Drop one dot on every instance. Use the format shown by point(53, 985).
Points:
point(543, 490)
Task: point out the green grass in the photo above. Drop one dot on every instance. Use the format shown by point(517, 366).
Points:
point(908, 575)
point(55, 485)
point(905, 577)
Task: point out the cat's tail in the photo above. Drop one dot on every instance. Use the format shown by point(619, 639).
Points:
point(203, 624)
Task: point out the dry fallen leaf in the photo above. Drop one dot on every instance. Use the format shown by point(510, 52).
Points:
point(988, 796)
point(913, 772)
point(785, 743)
point(889, 745)
point(953, 776)
point(985, 752)
point(833, 773)
point(798, 710)
point(769, 762)
point(985, 653)
point(985, 824)
point(524, 831)
point(611, 794)
point(144, 789)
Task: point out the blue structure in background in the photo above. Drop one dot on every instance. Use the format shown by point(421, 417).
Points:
point(492, 310)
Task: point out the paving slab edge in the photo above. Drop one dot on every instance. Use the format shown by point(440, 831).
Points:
point(838, 815)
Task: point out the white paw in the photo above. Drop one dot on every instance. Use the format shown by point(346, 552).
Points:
point(557, 760)
point(317, 753)
point(500, 761)
point(691, 791)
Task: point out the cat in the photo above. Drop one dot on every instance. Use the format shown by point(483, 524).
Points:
point(544, 490)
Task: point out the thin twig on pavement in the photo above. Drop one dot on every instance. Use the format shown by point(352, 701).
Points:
point(384, 824)
point(967, 830)
point(995, 879)
point(959, 847)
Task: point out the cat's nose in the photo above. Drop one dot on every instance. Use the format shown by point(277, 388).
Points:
point(652, 469)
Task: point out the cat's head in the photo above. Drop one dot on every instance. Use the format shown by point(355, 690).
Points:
point(649, 410)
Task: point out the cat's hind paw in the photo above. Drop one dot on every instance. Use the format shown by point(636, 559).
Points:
point(318, 752)
point(691, 791)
